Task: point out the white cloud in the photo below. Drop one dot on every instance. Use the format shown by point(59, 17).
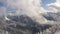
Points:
point(55, 5)
point(2, 11)
point(26, 6)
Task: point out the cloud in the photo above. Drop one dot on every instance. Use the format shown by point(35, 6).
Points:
point(2, 11)
point(55, 5)
point(26, 6)
point(23, 6)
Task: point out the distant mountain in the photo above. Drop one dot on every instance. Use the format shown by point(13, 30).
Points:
point(52, 16)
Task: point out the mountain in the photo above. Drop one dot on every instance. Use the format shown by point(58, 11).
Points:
point(52, 16)
point(22, 25)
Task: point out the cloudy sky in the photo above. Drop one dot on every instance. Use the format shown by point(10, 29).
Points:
point(29, 6)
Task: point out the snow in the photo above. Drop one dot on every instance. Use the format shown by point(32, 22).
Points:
point(6, 18)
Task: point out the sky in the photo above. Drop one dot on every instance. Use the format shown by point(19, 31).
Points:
point(29, 6)
point(45, 2)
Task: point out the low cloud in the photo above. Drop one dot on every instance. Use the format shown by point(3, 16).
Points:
point(55, 6)
point(2, 11)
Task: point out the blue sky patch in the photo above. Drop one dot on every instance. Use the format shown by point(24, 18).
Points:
point(45, 2)
point(1, 4)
